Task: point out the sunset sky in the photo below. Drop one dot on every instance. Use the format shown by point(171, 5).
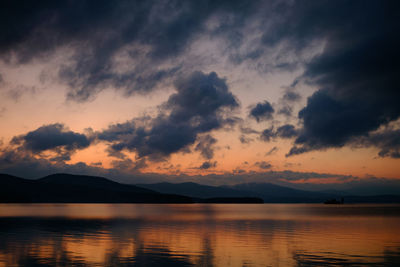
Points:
point(210, 91)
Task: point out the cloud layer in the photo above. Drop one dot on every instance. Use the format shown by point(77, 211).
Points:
point(347, 52)
point(132, 46)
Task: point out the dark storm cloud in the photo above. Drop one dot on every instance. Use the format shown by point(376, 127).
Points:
point(262, 111)
point(53, 137)
point(152, 34)
point(357, 72)
point(201, 104)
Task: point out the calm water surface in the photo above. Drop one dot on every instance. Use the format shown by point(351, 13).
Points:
point(199, 235)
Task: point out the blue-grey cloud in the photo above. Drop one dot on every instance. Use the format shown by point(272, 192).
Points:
point(201, 104)
point(387, 141)
point(262, 111)
point(285, 131)
point(150, 34)
point(356, 74)
point(53, 137)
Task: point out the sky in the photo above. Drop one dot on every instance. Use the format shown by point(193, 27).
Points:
point(216, 92)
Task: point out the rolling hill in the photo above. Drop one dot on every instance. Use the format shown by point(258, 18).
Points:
point(67, 188)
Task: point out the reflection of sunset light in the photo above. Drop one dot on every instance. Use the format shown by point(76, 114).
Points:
point(224, 235)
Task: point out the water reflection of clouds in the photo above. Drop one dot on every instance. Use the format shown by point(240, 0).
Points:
point(206, 240)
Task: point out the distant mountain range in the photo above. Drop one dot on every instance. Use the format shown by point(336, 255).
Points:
point(67, 188)
point(269, 193)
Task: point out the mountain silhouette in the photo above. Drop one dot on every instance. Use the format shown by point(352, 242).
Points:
point(269, 193)
point(67, 188)
point(196, 190)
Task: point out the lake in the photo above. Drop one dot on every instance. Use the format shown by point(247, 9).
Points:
point(199, 235)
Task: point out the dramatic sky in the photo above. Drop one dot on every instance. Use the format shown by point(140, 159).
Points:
point(216, 91)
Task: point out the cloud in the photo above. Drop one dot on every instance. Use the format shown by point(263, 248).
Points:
point(356, 73)
point(53, 137)
point(128, 165)
point(272, 151)
point(387, 140)
point(138, 46)
point(207, 165)
point(205, 146)
point(288, 100)
point(201, 104)
point(286, 131)
point(291, 96)
point(263, 165)
point(131, 46)
point(262, 111)
point(22, 163)
point(285, 110)
point(267, 134)
point(247, 130)
point(245, 140)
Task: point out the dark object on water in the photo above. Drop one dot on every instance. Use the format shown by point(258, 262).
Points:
point(334, 201)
